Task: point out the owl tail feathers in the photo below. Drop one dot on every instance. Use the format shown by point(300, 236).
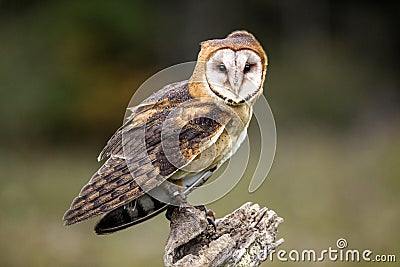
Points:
point(137, 211)
point(81, 210)
point(73, 216)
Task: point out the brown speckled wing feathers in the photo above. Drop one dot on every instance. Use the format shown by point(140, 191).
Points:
point(142, 154)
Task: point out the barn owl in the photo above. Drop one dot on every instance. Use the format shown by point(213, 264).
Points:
point(174, 140)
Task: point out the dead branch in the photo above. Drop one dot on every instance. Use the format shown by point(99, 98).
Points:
point(244, 237)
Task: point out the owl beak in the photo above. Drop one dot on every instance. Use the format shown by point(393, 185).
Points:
point(235, 79)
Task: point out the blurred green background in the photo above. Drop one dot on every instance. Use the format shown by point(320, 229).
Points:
point(69, 68)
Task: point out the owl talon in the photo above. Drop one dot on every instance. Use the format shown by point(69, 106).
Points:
point(170, 210)
point(212, 222)
point(168, 213)
point(211, 218)
point(183, 205)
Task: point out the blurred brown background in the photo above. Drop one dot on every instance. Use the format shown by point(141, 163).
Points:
point(69, 68)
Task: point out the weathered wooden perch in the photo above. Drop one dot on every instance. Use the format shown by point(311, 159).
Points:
point(243, 238)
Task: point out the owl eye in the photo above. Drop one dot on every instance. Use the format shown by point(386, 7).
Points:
point(222, 67)
point(247, 68)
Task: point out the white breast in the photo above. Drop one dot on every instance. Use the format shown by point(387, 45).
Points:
point(238, 143)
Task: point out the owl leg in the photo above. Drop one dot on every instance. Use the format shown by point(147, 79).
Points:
point(171, 208)
point(178, 197)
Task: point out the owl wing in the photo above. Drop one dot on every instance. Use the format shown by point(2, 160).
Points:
point(141, 208)
point(140, 152)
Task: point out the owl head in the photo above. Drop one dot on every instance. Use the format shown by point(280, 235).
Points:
point(232, 68)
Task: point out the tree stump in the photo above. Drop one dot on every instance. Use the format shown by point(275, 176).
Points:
point(244, 237)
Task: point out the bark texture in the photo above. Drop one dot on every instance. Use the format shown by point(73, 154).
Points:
point(244, 237)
